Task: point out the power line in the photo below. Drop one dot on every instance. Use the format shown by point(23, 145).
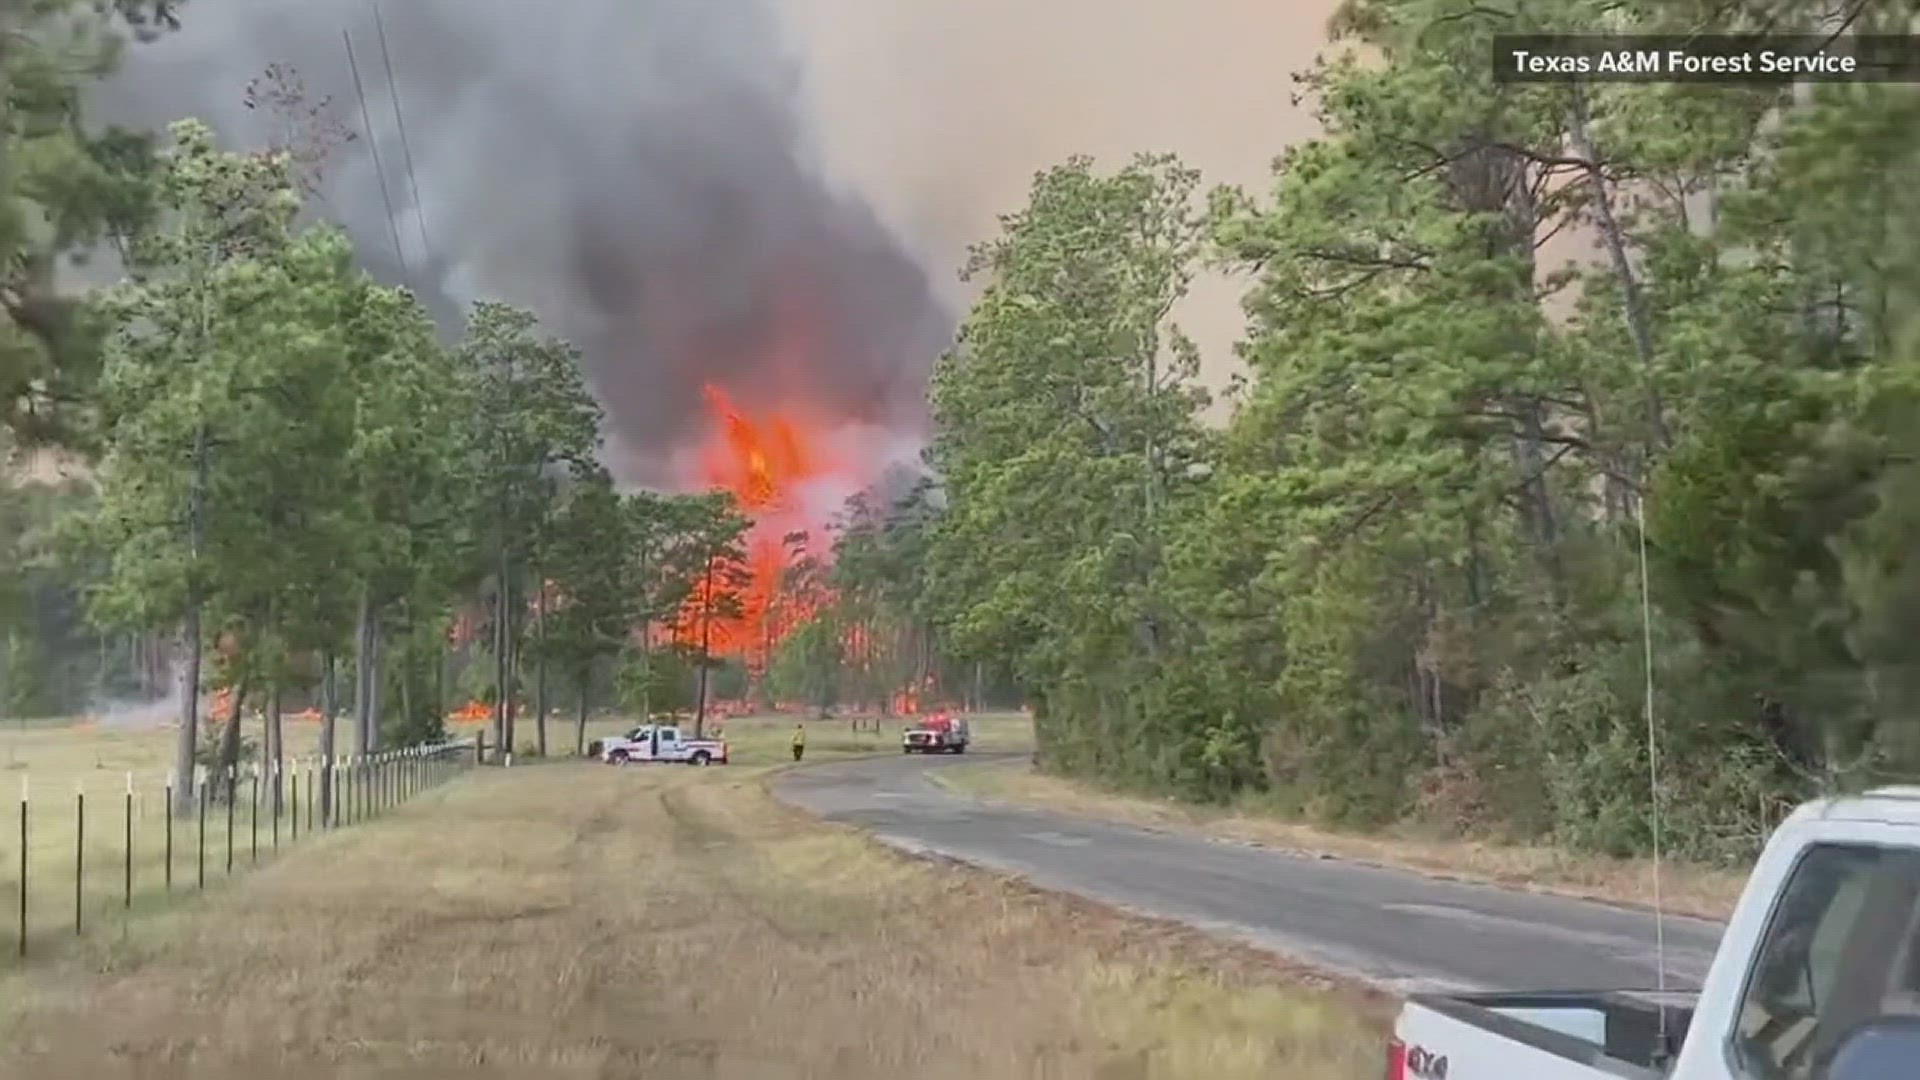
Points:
point(373, 144)
point(406, 148)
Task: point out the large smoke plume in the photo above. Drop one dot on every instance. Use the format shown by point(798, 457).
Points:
point(769, 197)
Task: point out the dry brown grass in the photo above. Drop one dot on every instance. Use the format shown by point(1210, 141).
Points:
point(1704, 892)
point(579, 921)
point(54, 763)
point(60, 760)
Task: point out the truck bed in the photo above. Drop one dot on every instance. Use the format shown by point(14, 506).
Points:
point(1584, 1036)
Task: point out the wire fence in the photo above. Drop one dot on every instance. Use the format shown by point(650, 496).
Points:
point(81, 857)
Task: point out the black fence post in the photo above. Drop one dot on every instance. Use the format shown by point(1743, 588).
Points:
point(253, 816)
point(233, 799)
point(169, 869)
point(200, 881)
point(126, 879)
point(23, 866)
point(293, 803)
point(79, 851)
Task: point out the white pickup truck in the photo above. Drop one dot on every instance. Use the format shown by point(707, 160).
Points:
point(650, 742)
point(1817, 978)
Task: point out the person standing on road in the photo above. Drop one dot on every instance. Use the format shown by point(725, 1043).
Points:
point(799, 741)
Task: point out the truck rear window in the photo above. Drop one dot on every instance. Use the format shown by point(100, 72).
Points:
point(1839, 950)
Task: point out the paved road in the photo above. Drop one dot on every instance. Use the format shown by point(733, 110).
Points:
point(1396, 929)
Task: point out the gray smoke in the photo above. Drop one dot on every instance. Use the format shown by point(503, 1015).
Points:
point(635, 171)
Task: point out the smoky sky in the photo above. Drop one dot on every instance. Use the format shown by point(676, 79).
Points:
point(637, 172)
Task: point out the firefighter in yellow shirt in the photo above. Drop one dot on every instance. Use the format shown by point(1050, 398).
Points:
point(799, 741)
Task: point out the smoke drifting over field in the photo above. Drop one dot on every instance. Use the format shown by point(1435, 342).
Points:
point(768, 197)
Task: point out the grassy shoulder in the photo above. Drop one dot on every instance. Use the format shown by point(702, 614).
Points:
point(1703, 892)
point(577, 920)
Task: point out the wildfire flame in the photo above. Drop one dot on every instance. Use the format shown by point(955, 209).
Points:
point(764, 460)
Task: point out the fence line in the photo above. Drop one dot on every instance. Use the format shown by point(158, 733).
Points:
point(355, 788)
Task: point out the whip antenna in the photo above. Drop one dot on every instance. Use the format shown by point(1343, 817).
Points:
point(1653, 766)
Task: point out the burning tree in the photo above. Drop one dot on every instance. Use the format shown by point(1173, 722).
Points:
point(763, 462)
point(712, 553)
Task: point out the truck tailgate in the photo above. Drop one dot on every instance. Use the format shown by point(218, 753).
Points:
point(1540, 1037)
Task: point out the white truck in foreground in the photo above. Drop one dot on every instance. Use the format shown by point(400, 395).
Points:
point(659, 743)
point(1817, 978)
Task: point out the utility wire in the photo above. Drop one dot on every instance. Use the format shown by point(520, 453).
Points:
point(373, 144)
point(406, 147)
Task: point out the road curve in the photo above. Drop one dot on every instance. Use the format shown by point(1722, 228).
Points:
point(1394, 928)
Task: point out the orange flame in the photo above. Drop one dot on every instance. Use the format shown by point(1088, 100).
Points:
point(763, 460)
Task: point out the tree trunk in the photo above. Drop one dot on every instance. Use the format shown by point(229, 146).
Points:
point(406, 691)
point(329, 704)
point(580, 719)
point(540, 706)
point(276, 745)
point(500, 660)
point(706, 645)
point(375, 687)
point(1633, 303)
point(510, 708)
point(187, 747)
point(540, 667)
point(230, 739)
point(363, 669)
point(646, 675)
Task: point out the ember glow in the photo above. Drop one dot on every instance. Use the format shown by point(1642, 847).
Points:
point(773, 462)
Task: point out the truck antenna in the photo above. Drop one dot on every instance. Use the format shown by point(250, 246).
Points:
point(1653, 766)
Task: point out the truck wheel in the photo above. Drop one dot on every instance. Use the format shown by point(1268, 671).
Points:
point(960, 749)
point(701, 757)
point(906, 749)
point(618, 757)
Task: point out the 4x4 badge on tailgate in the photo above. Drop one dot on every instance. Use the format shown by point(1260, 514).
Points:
point(1426, 1064)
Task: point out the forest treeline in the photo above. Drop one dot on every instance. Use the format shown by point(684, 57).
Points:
point(1403, 582)
point(291, 478)
point(1505, 346)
